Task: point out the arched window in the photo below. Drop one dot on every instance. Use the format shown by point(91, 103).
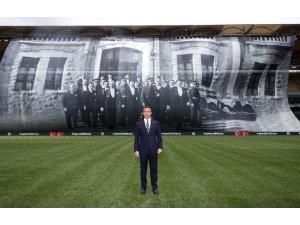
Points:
point(120, 62)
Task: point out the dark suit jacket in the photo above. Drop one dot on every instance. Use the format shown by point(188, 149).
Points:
point(132, 102)
point(148, 95)
point(109, 103)
point(155, 98)
point(143, 140)
point(70, 101)
point(89, 99)
point(175, 101)
point(133, 98)
point(194, 96)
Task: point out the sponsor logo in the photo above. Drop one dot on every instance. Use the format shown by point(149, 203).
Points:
point(213, 133)
point(81, 134)
point(29, 134)
point(122, 134)
point(266, 133)
point(171, 133)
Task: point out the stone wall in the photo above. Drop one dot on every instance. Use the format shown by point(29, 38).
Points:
point(37, 109)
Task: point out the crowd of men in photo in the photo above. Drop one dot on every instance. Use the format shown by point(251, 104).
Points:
point(119, 103)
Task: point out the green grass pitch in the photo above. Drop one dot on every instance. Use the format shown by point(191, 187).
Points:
point(194, 172)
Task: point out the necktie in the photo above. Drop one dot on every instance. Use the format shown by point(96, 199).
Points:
point(147, 126)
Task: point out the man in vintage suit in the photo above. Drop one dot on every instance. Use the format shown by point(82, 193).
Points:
point(139, 104)
point(148, 145)
point(164, 95)
point(88, 104)
point(194, 99)
point(148, 94)
point(97, 101)
point(80, 92)
point(178, 100)
point(70, 104)
point(140, 83)
point(109, 104)
point(122, 102)
point(102, 116)
point(156, 104)
point(132, 104)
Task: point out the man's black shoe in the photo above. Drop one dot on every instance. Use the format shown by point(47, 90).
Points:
point(143, 191)
point(155, 191)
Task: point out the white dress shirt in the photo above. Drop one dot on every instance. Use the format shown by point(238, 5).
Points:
point(132, 90)
point(112, 92)
point(179, 91)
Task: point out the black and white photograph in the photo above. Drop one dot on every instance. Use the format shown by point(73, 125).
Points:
point(99, 84)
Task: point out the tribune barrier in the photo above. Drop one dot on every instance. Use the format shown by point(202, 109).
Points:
point(236, 133)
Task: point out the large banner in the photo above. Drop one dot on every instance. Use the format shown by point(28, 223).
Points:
point(97, 84)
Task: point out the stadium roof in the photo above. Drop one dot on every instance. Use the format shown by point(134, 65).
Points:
point(22, 27)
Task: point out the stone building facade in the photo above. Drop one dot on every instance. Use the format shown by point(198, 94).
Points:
point(36, 72)
point(226, 65)
point(31, 98)
point(264, 73)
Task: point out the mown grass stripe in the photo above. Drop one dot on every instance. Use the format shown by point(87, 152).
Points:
point(193, 172)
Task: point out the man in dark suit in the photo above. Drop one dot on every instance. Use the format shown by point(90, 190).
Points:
point(156, 99)
point(139, 104)
point(148, 95)
point(148, 145)
point(109, 105)
point(102, 115)
point(140, 83)
point(97, 101)
point(194, 99)
point(80, 91)
point(88, 104)
point(70, 104)
point(132, 104)
point(178, 100)
point(164, 94)
point(122, 103)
